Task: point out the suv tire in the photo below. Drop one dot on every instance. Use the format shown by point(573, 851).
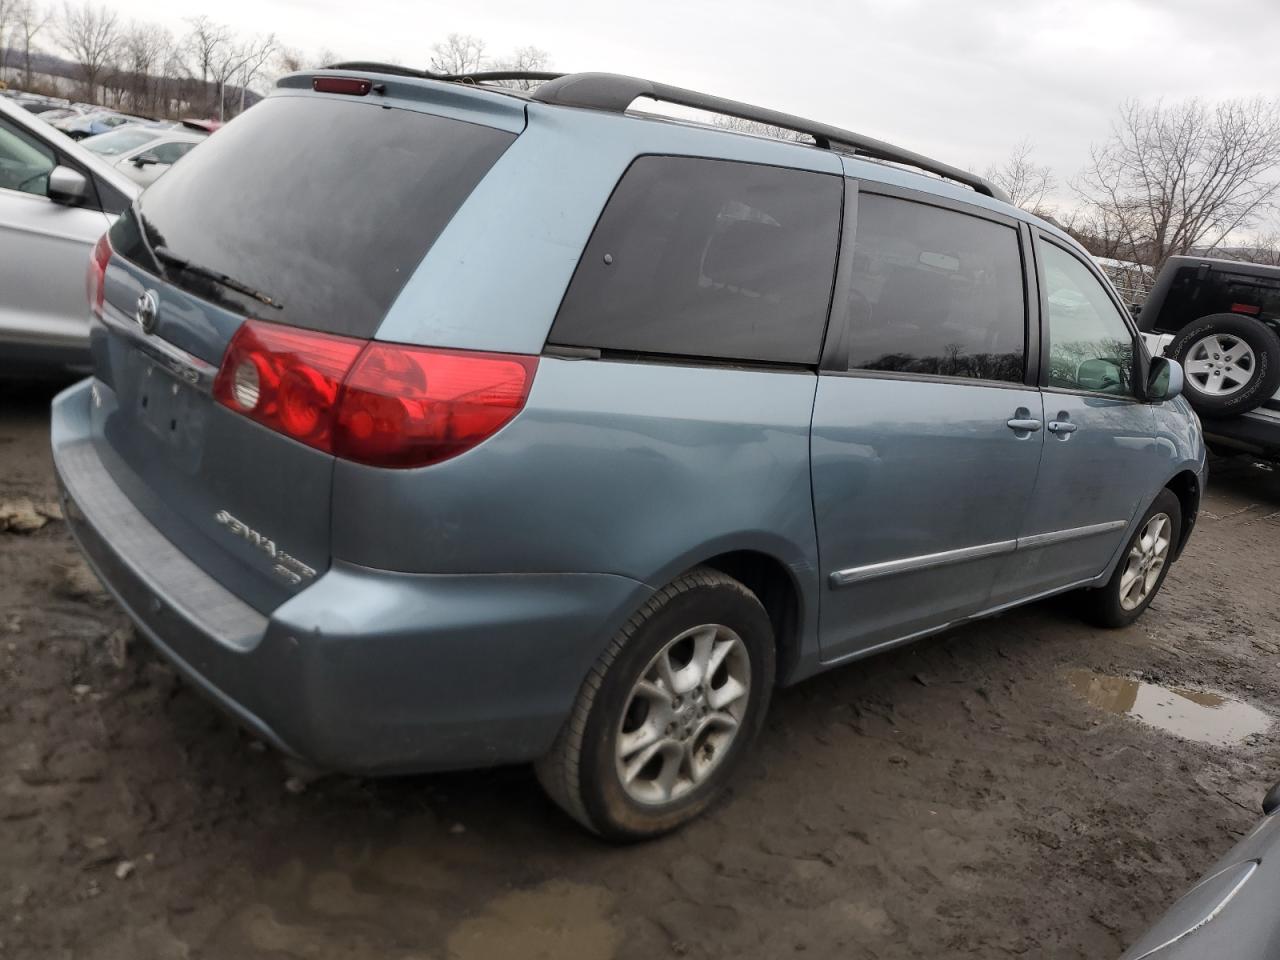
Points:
point(1143, 566)
point(1210, 385)
point(652, 686)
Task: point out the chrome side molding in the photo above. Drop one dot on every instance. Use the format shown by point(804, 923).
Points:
point(887, 568)
point(843, 578)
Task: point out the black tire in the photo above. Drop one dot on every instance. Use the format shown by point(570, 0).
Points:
point(1263, 379)
point(1105, 606)
point(581, 773)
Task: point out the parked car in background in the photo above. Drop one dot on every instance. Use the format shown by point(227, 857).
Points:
point(1232, 912)
point(1221, 320)
point(688, 430)
point(143, 153)
point(100, 121)
point(56, 199)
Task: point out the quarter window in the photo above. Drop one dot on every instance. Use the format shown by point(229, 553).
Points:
point(171, 152)
point(1090, 345)
point(935, 292)
point(708, 258)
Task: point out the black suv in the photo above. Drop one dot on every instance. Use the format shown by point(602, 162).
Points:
point(1219, 319)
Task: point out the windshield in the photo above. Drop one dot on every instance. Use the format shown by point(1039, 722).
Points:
point(118, 141)
point(325, 206)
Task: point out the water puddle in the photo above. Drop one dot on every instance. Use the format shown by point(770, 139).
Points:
point(1200, 715)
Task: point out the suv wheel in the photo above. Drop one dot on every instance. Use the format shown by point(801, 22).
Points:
point(669, 711)
point(1142, 568)
point(1232, 363)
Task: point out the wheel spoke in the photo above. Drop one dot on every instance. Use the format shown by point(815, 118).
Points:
point(645, 736)
point(1131, 571)
point(698, 668)
point(651, 691)
point(1197, 366)
point(720, 697)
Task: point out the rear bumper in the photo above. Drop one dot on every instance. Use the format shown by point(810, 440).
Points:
point(365, 671)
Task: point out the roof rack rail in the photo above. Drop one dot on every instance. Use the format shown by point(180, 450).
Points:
point(615, 93)
point(479, 76)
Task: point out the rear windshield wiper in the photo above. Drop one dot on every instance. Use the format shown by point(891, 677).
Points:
point(182, 263)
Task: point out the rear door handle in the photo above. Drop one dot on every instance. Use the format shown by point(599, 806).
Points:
point(1028, 424)
point(1061, 426)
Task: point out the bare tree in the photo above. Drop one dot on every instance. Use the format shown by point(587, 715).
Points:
point(1026, 182)
point(258, 53)
point(1175, 177)
point(206, 44)
point(90, 34)
point(8, 16)
point(459, 53)
point(143, 48)
point(30, 19)
point(524, 60)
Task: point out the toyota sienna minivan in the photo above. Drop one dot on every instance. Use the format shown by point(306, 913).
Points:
point(436, 425)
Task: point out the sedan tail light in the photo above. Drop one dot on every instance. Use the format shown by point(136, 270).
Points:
point(381, 404)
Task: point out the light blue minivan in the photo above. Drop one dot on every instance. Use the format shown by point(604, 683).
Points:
point(436, 424)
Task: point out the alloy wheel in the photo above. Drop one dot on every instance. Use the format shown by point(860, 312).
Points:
point(1146, 559)
point(683, 714)
point(1220, 365)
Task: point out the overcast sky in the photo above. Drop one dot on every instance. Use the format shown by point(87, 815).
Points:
point(964, 80)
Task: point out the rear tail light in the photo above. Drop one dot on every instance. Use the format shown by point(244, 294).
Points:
point(95, 279)
point(408, 406)
point(286, 379)
point(347, 85)
point(376, 403)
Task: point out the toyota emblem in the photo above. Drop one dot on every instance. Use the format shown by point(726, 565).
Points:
point(147, 311)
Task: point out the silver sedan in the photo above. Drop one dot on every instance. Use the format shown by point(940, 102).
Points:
point(56, 200)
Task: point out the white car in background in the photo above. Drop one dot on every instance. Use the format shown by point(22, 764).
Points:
point(56, 200)
point(143, 153)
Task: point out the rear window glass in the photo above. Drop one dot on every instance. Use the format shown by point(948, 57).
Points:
point(935, 292)
point(324, 206)
point(708, 258)
point(119, 141)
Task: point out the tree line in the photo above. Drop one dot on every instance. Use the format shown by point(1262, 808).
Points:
point(1169, 179)
point(208, 69)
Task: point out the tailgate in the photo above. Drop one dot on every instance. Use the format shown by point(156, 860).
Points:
point(308, 212)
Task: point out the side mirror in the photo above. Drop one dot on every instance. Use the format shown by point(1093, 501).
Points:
point(1164, 379)
point(1100, 374)
point(143, 159)
point(66, 186)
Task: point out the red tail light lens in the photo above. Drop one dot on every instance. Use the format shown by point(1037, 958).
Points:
point(286, 379)
point(95, 281)
point(408, 406)
point(376, 403)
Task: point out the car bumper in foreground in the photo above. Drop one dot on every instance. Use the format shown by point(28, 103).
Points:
point(365, 671)
point(1232, 912)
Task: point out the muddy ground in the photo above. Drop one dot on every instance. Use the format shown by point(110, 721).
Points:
point(956, 799)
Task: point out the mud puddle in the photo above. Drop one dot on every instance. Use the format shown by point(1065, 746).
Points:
point(1204, 716)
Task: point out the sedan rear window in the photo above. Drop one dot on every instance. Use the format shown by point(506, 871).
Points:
point(326, 207)
point(119, 141)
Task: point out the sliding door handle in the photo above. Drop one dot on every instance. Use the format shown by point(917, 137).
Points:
point(1062, 426)
point(1027, 424)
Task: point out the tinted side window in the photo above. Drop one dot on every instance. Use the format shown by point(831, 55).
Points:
point(25, 162)
point(708, 258)
point(935, 292)
point(1090, 346)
